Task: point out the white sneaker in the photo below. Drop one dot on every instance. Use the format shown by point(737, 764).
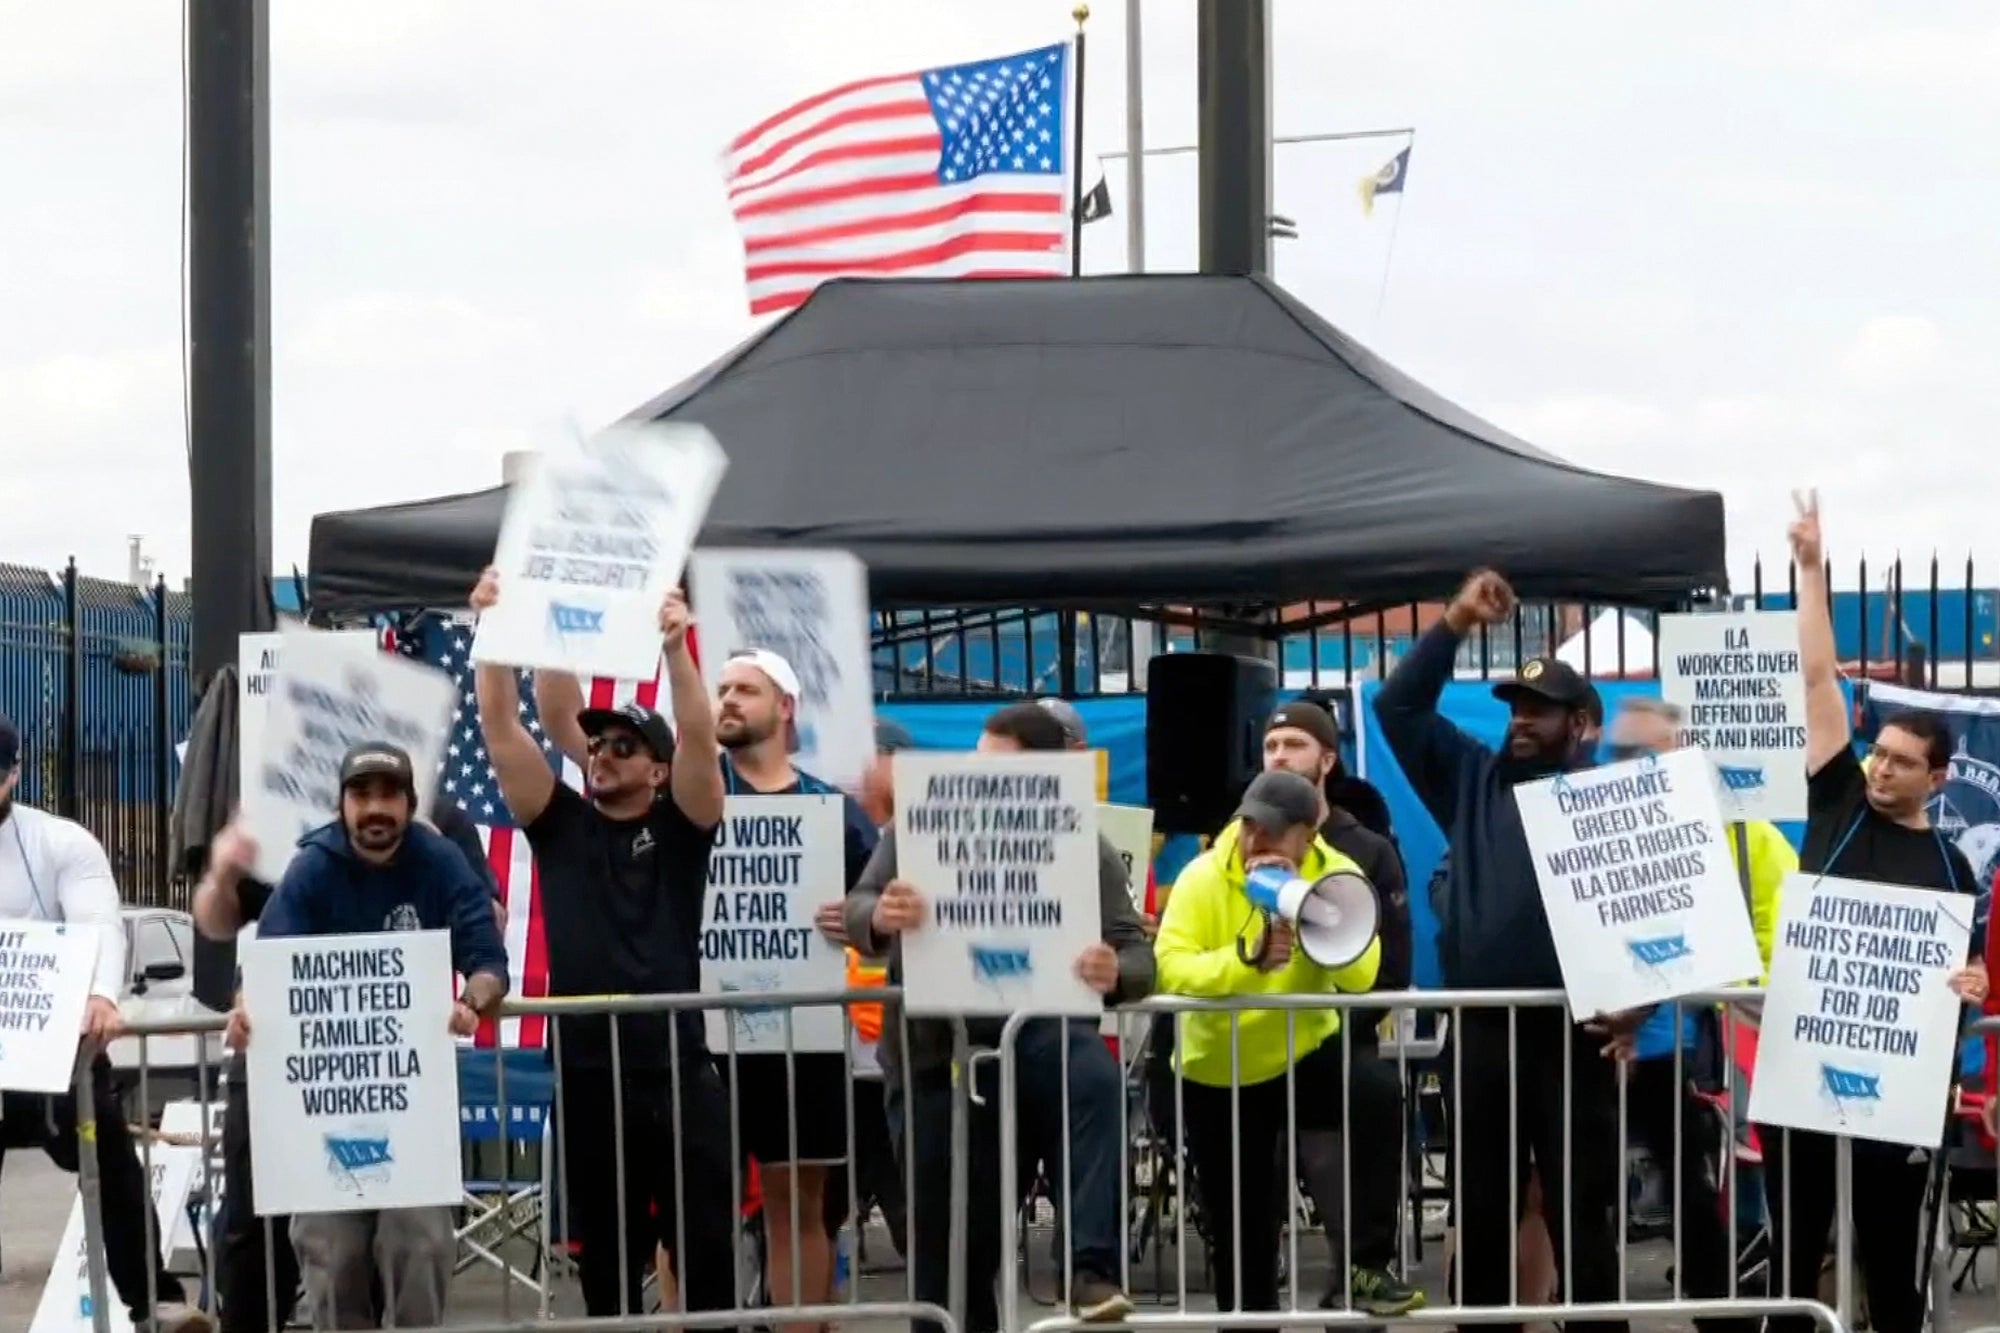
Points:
point(177, 1317)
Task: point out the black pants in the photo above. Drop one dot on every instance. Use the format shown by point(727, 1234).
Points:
point(249, 1243)
point(1243, 1181)
point(1888, 1217)
point(1695, 1157)
point(1492, 1168)
point(1096, 1157)
point(663, 1180)
point(877, 1178)
point(1378, 1155)
point(29, 1120)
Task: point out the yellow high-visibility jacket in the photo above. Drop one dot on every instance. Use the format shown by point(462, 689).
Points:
point(1207, 913)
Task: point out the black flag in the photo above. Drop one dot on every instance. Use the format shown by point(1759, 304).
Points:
point(1095, 205)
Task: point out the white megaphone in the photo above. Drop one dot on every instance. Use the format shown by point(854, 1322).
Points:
point(1334, 918)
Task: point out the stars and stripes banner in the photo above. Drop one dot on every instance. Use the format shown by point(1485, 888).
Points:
point(961, 171)
point(468, 782)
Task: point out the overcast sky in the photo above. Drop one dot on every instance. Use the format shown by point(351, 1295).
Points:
point(1742, 247)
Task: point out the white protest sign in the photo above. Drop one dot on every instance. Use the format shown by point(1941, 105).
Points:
point(257, 660)
point(590, 546)
point(328, 699)
point(777, 860)
point(65, 1305)
point(46, 968)
point(1859, 1026)
point(1742, 694)
point(352, 1073)
point(810, 608)
point(1129, 829)
point(181, 1132)
point(1003, 848)
point(1636, 879)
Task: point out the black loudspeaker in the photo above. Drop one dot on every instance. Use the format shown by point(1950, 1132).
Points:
point(1205, 718)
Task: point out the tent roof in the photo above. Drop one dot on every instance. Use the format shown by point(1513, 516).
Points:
point(1615, 645)
point(1168, 438)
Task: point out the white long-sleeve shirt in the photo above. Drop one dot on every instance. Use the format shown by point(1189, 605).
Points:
point(54, 869)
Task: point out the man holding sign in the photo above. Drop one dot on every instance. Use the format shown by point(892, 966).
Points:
point(377, 869)
point(623, 873)
point(881, 911)
point(53, 870)
point(1861, 825)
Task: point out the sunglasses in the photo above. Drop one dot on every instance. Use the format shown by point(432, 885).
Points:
point(618, 747)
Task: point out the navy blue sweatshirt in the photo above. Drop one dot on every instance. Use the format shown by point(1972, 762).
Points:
point(427, 885)
point(1492, 931)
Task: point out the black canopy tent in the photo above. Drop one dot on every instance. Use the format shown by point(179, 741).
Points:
point(1186, 439)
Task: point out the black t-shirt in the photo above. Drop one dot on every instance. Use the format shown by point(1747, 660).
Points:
point(621, 912)
point(1847, 838)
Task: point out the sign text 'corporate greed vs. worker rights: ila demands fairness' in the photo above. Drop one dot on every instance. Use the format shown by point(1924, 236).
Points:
point(1005, 850)
point(1637, 881)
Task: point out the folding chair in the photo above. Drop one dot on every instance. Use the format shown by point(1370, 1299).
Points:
point(507, 1176)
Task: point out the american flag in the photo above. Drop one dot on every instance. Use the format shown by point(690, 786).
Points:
point(468, 783)
point(961, 171)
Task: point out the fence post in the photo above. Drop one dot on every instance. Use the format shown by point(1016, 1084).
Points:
point(69, 786)
point(163, 745)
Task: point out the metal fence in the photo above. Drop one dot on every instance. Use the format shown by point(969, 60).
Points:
point(1917, 624)
point(94, 674)
point(1022, 1146)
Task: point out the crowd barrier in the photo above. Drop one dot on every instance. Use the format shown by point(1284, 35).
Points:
point(514, 1220)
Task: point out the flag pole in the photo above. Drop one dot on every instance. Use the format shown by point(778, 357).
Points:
point(1135, 138)
point(1081, 14)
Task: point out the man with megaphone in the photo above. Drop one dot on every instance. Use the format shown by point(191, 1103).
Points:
point(1271, 909)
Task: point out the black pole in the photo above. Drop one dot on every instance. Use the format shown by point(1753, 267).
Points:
point(69, 784)
point(1233, 63)
point(163, 743)
point(1076, 186)
point(229, 324)
point(1233, 75)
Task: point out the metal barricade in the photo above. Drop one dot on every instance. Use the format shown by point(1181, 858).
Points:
point(979, 1078)
point(624, 1111)
point(1527, 1017)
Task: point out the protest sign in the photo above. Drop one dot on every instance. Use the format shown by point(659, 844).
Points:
point(810, 608)
point(46, 968)
point(1859, 1025)
point(1003, 848)
point(777, 860)
point(66, 1306)
point(1742, 695)
point(257, 660)
point(1129, 828)
point(352, 1073)
point(326, 700)
point(1636, 879)
point(592, 543)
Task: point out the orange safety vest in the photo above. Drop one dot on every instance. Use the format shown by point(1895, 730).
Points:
point(867, 1018)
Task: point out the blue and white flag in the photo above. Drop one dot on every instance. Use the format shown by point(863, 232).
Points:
point(1967, 808)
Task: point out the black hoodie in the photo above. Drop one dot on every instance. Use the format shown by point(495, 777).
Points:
point(1377, 855)
point(1493, 931)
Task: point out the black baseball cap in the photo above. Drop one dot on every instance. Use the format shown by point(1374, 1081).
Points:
point(1278, 800)
point(1314, 721)
point(1549, 679)
point(10, 745)
point(373, 759)
point(635, 716)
